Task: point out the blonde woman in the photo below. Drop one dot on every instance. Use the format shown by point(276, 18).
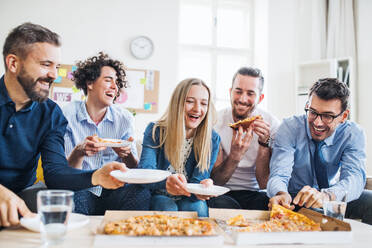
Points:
point(182, 142)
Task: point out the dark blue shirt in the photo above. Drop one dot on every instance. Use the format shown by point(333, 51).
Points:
point(37, 129)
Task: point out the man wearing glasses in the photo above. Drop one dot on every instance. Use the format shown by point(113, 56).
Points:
point(321, 150)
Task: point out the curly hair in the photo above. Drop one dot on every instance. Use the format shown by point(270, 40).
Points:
point(89, 70)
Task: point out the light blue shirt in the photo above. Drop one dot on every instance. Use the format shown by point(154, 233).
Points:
point(291, 165)
point(118, 123)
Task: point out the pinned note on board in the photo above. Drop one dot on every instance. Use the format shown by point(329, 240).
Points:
point(74, 89)
point(65, 75)
point(58, 79)
point(62, 72)
point(150, 77)
point(147, 106)
point(69, 75)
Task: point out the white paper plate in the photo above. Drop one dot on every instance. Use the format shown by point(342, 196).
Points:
point(74, 221)
point(140, 175)
point(214, 190)
point(115, 143)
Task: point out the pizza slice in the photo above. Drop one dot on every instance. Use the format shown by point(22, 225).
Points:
point(279, 212)
point(112, 141)
point(245, 123)
point(238, 220)
point(281, 220)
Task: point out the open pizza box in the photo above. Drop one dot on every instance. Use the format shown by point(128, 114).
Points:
point(104, 240)
point(333, 231)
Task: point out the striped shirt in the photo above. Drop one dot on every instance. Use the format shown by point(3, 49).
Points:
point(118, 123)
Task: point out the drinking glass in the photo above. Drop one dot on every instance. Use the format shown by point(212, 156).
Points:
point(54, 208)
point(335, 208)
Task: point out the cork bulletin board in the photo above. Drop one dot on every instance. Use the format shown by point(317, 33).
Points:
point(141, 95)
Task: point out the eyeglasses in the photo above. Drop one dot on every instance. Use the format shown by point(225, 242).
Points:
point(326, 118)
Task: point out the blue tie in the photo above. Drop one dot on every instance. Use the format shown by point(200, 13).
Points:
point(320, 166)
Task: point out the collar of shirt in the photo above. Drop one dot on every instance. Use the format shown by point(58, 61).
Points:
point(5, 99)
point(82, 114)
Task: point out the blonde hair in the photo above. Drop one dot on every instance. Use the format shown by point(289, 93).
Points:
point(172, 128)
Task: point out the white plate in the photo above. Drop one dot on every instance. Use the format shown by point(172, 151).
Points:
point(214, 190)
point(74, 221)
point(115, 143)
point(140, 175)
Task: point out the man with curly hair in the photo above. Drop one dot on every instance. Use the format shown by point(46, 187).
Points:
point(101, 79)
point(32, 125)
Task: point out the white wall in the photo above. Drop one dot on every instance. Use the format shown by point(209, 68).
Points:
point(89, 26)
point(364, 57)
point(281, 55)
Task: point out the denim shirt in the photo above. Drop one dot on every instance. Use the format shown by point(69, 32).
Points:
point(154, 158)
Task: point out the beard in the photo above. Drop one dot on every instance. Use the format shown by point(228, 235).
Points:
point(29, 86)
point(242, 116)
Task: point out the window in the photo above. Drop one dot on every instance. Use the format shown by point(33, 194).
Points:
point(215, 40)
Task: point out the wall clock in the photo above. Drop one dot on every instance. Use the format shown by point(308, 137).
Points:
point(141, 47)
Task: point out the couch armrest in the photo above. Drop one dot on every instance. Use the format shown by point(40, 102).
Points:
point(369, 183)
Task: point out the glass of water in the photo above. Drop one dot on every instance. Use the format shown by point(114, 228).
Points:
point(334, 207)
point(54, 208)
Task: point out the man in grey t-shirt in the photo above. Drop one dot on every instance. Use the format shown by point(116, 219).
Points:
point(243, 161)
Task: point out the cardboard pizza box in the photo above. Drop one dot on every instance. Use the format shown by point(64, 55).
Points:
point(104, 240)
point(333, 231)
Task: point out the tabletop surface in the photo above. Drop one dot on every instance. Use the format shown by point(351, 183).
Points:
point(84, 237)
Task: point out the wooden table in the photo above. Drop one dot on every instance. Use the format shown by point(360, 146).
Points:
point(84, 237)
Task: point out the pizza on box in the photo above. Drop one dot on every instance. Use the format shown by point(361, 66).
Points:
point(281, 220)
point(245, 123)
point(238, 220)
point(159, 225)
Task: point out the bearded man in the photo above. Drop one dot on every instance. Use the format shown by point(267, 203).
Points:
point(243, 161)
point(32, 125)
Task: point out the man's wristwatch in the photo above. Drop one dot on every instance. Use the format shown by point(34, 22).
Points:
point(265, 144)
